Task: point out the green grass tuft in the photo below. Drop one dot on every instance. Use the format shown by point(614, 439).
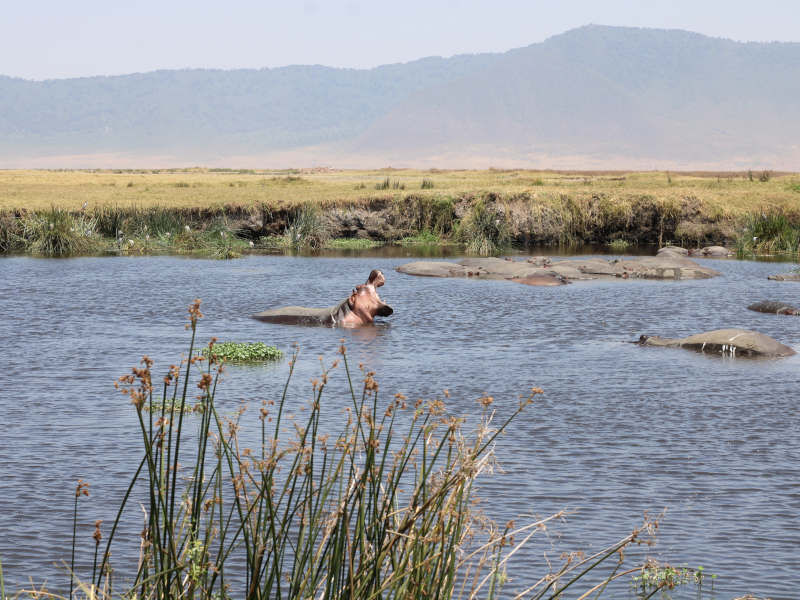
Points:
point(352, 244)
point(307, 230)
point(768, 232)
point(59, 233)
point(483, 230)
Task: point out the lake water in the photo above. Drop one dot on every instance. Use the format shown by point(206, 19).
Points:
point(620, 430)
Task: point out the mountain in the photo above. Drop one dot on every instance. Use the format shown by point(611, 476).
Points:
point(595, 96)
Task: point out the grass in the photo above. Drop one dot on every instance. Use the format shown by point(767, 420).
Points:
point(306, 230)
point(484, 230)
point(209, 188)
point(536, 207)
point(238, 352)
point(57, 232)
point(768, 232)
point(385, 508)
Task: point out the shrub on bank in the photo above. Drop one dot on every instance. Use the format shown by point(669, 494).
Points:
point(58, 233)
point(483, 230)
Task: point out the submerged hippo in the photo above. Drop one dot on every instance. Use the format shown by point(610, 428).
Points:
point(776, 308)
point(732, 342)
point(360, 308)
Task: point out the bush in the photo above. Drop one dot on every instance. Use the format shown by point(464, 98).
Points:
point(57, 233)
point(307, 230)
point(483, 230)
point(768, 233)
point(11, 233)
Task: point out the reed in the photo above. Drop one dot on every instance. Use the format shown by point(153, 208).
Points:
point(768, 232)
point(483, 230)
point(306, 230)
point(384, 509)
point(58, 233)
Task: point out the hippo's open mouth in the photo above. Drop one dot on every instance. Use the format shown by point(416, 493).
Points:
point(384, 311)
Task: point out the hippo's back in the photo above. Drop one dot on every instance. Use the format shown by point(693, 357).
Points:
point(297, 315)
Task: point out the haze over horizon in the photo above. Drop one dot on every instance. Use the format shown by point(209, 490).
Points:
point(45, 39)
point(211, 87)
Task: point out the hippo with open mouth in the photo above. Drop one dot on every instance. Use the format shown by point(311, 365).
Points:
point(360, 308)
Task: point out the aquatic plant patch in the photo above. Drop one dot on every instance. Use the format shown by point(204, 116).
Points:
point(352, 244)
point(255, 352)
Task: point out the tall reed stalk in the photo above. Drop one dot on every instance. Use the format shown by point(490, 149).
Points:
point(381, 510)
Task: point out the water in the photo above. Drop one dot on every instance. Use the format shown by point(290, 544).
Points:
point(621, 429)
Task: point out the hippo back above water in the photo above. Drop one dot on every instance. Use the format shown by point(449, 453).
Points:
point(731, 342)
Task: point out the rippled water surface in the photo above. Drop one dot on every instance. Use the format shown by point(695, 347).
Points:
point(620, 430)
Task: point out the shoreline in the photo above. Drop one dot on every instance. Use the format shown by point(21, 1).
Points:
point(485, 211)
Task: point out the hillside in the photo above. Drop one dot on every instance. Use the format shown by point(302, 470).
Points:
point(595, 96)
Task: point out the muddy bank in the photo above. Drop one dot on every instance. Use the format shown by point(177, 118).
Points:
point(520, 219)
point(483, 222)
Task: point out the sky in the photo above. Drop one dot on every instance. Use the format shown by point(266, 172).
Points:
point(53, 39)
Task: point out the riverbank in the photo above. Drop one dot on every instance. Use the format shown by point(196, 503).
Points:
point(226, 211)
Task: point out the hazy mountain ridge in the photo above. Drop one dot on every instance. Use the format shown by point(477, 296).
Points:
point(596, 92)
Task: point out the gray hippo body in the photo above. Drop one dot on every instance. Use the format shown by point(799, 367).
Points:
point(785, 277)
point(775, 308)
point(300, 315)
point(713, 252)
point(731, 342)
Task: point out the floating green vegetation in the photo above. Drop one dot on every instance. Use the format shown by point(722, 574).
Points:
point(242, 352)
point(619, 245)
point(352, 243)
point(653, 577)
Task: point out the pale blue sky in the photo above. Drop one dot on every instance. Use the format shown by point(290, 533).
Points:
point(41, 39)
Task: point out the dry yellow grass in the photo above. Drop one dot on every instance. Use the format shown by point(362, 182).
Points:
point(721, 195)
